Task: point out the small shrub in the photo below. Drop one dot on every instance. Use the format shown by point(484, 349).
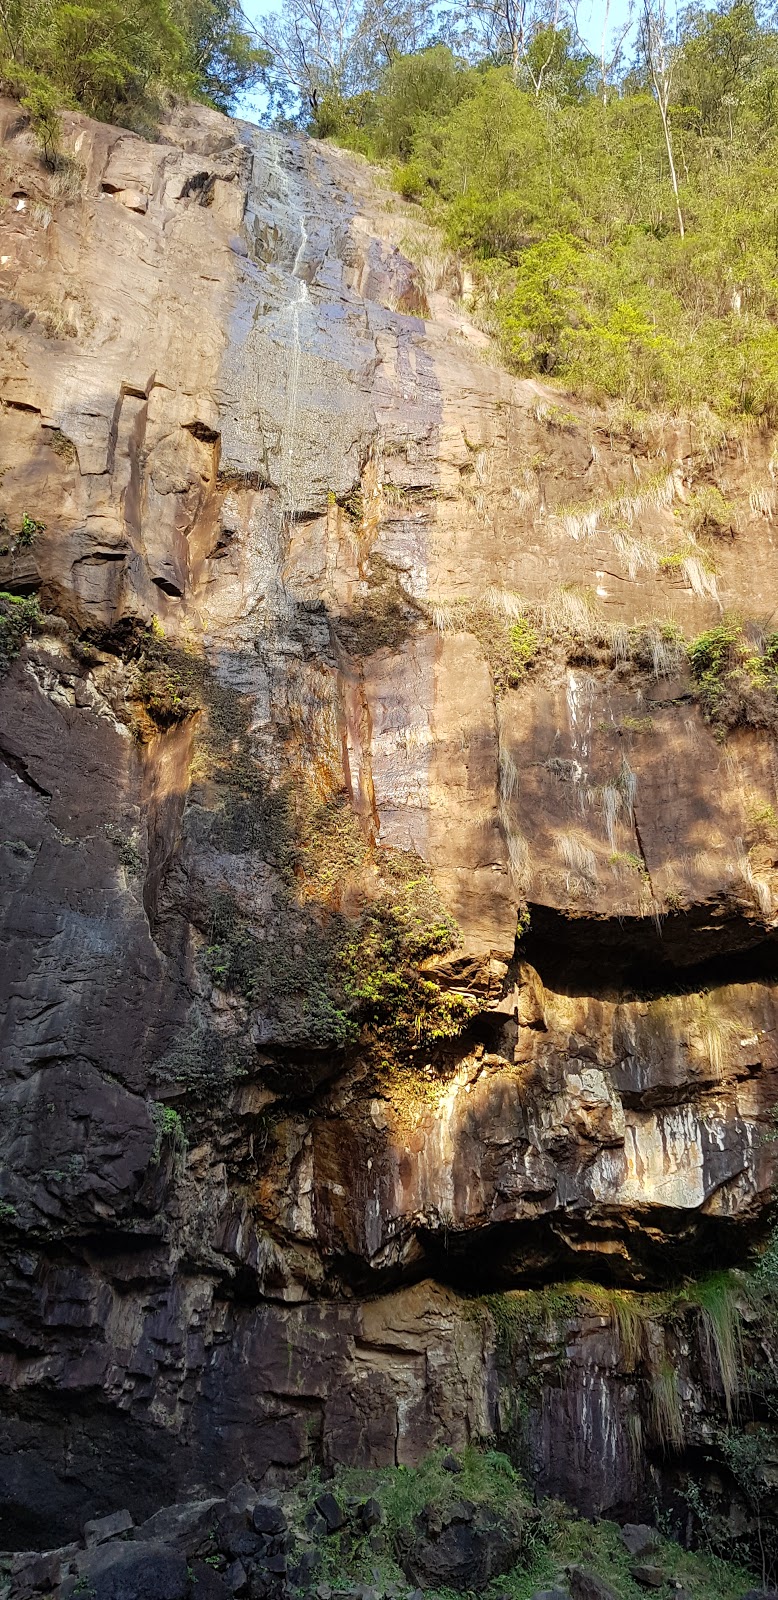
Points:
point(169, 1130)
point(127, 851)
point(665, 1412)
point(25, 535)
point(707, 512)
point(41, 102)
point(737, 680)
point(20, 616)
point(525, 644)
point(696, 566)
point(62, 445)
point(170, 679)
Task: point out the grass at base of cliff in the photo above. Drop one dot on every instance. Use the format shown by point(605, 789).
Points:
point(598, 1546)
point(553, 1536)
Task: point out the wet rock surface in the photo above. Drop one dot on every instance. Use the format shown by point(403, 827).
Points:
point(265, 722)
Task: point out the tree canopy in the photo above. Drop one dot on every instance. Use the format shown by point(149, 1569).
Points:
point(115, 59)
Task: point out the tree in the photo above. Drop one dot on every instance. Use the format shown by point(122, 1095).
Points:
point(509, 30)
point(223, 60)
point(612, 41)
point(415, 91)
point(660, 53)
point(723, 52)
point(552, 62)
point(112, 57)
point(333, 49)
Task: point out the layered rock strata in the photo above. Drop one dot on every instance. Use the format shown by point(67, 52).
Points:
point(281, 768)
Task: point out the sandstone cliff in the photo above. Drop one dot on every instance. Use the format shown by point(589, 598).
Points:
point(387, 923)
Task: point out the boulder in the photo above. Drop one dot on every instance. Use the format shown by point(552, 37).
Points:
point(101, 1529)
point(207, 1584)
point(461, 1547)
point(302, 1570)
point(268, 1517)
point(649, 1577)
point(236, 1536)
point(638, 1538)
point(184, 1526)
point(370, 1514)
point(131, 1570)
point(237, 1578)
point(586, 1585)
point(332, 1513)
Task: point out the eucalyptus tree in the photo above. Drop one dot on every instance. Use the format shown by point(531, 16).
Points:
point(334, 49)
point(660, 51)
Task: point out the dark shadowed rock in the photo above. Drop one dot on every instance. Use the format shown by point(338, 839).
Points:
point(236, 1536)
point(461, 1547)
point(332, 1513)
point(314, 1524)
point(183, 1526)
point(102, 1528)
point(649, 1577)
point(131, 1570)
point(303, 1569)
point(268, 1517)
point(237, 1578)
point(638, 1538)
point(370, 1514)
point(586, 1585)
point(207, 1584)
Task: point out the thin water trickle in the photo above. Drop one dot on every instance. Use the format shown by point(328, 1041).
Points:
point(293, 379)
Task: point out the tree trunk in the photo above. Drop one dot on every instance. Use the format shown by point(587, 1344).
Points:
point(673, 174)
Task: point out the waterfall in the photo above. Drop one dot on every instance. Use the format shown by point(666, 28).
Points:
point(293, 381)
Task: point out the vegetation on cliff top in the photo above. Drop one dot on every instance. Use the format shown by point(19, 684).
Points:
point(555, 173)
point(118, 61)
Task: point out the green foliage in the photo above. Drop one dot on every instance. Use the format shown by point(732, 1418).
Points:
point(220, 57)
point(707, 512)
point(677, 559)
point(29, 530)
point(8, 1212)
point(552, 1538)
point(117, 60)
point(41, 101)
point(20, 615)
point(484, 1477)
point(737, 676)
point(170, 678)
point(25, 535)
point(717, 1298)
point(600, 1548)
point(126, 849)
point(525, 643)
point(203, 1062)
point(563, 202)
point(168, 1130)
point(343, 972)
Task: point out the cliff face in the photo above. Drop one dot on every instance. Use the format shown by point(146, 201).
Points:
point(282, 765)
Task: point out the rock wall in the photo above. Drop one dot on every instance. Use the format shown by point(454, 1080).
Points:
point(282, 1088)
